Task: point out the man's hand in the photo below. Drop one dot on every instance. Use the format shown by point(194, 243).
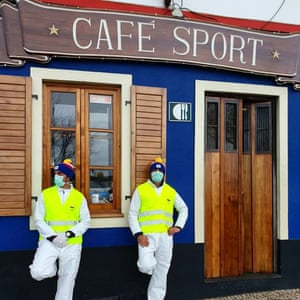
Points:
point(143, 240)
point(173, 230)
point(60, 241)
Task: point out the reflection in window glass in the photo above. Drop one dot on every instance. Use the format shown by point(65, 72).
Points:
point(263, 129)
point(101, 186)
point(100, 111)
point(84, 120)
point(63, 109)
point(246, 129)
point(100, 149)
point(212, 130)
point(62, 146)
point(230, 127)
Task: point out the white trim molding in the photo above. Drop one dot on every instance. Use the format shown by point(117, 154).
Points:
point(281, 93)
point(39, 75)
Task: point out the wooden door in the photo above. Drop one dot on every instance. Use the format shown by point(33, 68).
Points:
point(238, 188)
point(257, 187)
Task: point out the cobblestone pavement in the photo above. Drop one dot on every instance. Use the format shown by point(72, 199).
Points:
point(292, 294)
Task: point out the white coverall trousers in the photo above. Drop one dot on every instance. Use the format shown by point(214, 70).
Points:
point(44, 266)
point(155, 260)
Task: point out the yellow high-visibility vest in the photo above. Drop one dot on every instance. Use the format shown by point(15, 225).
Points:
point(156, 211)
point(62, 217)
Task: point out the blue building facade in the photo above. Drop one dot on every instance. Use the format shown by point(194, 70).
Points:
point(108, 268)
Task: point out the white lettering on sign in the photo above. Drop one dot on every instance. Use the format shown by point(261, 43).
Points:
point(182, 40)
point(188, 41)
point(232, 48)
point(75, 39)
point(120, 34)
point(142, 37)
point(104, 40)
point(203, 40)
point(254, 48)
point(219, 36)
point(103, 35)
point(237, 43)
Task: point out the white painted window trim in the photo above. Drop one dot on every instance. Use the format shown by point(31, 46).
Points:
point(282, 149)
point(39, 75)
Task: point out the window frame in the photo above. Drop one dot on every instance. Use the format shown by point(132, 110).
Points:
point(268, 129)
point(202, 88)
point(81, 132)
point(40, 75)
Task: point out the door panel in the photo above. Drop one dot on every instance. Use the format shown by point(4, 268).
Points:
point(262, 213)
point(247, 213)
point(230, 181)
point(212, 220)
point(261, 152)
point(230, 212)
point(223, 209)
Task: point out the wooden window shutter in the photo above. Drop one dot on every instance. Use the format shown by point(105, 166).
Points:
point(15, 145)
point(148, 130)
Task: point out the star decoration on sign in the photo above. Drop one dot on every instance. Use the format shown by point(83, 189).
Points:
point(275, 54)
point(53, 30)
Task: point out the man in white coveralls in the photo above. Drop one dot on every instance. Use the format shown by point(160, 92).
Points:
point(151, 222)
point(61, 216)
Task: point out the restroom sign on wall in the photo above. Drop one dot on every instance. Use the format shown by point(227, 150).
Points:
point(180, 111)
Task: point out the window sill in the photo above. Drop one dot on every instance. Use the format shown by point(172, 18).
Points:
point(107, 215)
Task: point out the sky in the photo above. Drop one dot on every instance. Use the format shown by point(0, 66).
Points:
point(282, 11)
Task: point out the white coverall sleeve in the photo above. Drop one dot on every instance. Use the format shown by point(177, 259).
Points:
point(182, 209)
point(85, 219)
point(134, 212)
point(39, 214)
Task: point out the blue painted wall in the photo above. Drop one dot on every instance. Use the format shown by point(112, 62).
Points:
point(180, 83)
point(294, 164)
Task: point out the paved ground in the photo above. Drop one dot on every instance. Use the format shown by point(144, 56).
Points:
point(293, 294)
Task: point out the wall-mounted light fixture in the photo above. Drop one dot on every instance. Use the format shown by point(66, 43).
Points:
point(177, 12)
point(175, 8)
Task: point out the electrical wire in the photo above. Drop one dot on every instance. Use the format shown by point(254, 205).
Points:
point(274, 15)
point(201, 15)
point(214, 19)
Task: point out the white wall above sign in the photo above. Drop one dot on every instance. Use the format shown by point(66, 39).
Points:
point(280, 10)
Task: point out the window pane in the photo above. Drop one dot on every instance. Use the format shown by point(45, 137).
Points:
point(101, 186)
point(230, 126)
point(62, 146)
point(84, 121)
point(100, 149)
point(246, 129)
point(263, 129)
point(212, 138)
point(63, 109)
point(100, 111)
point(212, 130)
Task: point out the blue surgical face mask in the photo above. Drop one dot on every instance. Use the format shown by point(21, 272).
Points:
point(157, 176)
point(59, 180)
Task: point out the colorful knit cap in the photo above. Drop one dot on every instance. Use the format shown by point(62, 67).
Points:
point(157, 165)
point(66, 167)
